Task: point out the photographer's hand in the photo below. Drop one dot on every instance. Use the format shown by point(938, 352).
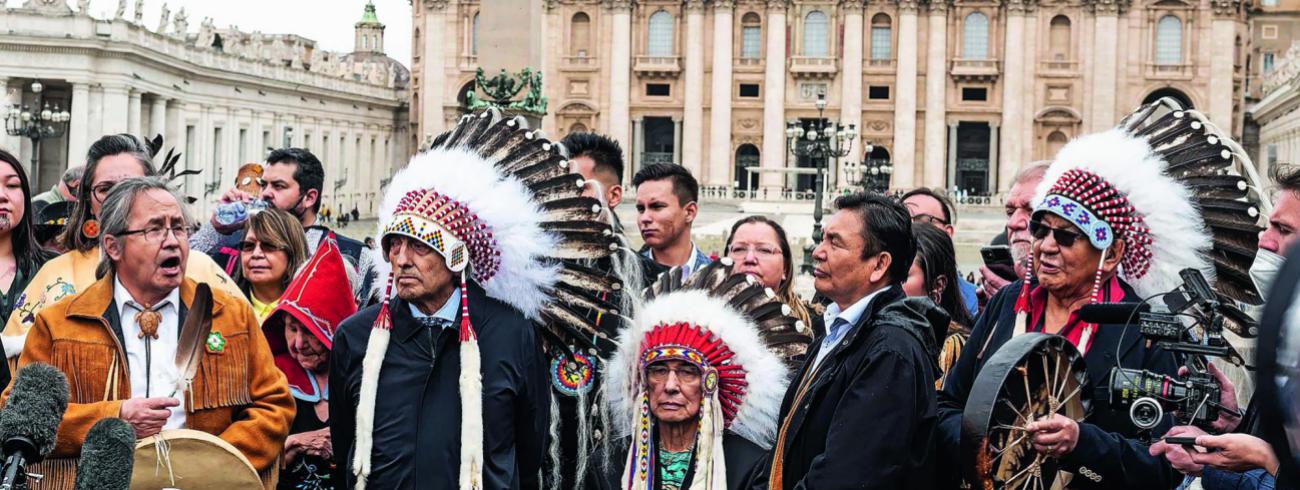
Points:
point(1228, 418)
point(1177, 455)
point(1054, 436)
point(1236, 452)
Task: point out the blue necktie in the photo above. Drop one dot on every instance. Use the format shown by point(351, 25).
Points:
point(838, 328)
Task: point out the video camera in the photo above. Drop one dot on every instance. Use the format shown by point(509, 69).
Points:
point(1193, 398)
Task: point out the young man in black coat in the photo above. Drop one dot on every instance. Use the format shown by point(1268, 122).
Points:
point(862, 410)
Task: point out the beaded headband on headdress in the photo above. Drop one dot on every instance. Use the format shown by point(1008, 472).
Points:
point(449, 227)
point(1103, 214)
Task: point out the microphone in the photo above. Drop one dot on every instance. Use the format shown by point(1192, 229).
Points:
point(30, 420)
point(107, 456)
point(1112, 313)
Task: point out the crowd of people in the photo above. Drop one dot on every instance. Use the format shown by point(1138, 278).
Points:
point(500, 332)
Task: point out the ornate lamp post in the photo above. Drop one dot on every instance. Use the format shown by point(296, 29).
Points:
point(822, 142)
point(37, 124)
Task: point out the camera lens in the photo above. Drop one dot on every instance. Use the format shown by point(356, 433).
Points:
point(1146, 413)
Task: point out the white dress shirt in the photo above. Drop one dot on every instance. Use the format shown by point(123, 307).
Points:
point(162, 376)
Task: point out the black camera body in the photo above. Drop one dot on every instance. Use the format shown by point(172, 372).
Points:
point(1194, 398)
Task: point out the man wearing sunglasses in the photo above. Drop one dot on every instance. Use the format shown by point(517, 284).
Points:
point(292, 180)
point(929, 206)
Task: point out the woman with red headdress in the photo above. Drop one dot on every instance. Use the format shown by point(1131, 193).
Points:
point(300, 331)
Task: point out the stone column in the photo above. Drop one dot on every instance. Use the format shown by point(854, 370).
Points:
point(905, 99)
point(936, 93)
point(1222, 43)
point(638, 146)
point(720, 98)
point(78, 134)
point(693, 113)
point(433, 67)
point(620, 70)
point(851, 80)
point(158, 119)
point(1105, 68)
point(95, 124)
point(994, 165)
point(116, 108)
point(175, 127)
point(1013, 86)
point(133, 113)
point(677, 142)
point(952, 156)
point(7, 142)
point(773, 152)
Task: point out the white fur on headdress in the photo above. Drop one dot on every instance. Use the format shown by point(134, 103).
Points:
point(765, 372)
point(1179, 238)
point(502, 203)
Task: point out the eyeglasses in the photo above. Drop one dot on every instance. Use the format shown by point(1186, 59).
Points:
point(155, 234)
point(925, 218)
point(248, 246)
point(1063, 237)
point(100, 191)
point(688, 373)
point(739, 250)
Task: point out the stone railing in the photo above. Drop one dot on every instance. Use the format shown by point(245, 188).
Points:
point(1284, 70)
point(1169, 70)
point(813, 66)
point(1058, 66)
point(657, 66)
point(974, 69)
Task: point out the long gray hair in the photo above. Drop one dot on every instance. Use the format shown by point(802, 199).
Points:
point(116, 210)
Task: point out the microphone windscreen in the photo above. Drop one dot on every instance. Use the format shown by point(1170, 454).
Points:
point(1112, 313)
point(107, 456)
point(34, 409)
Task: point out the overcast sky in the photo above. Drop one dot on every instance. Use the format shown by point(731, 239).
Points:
point(329, 22)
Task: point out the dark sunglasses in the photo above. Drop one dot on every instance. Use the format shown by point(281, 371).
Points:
point(248, 246)
point(1063, 237)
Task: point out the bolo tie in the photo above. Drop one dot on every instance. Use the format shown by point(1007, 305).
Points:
point(148, 319)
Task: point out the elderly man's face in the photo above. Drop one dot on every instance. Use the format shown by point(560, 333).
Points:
point(419, 273)
point(676, 390)
point(1063, 269)
point(840, 272)
point(150, 255)
point(1018, 207)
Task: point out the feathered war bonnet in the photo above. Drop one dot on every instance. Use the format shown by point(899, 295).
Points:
point(499, 204)
point(1170, 185)
point(737, 332)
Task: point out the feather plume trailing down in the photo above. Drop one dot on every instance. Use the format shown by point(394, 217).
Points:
point(550, 225)
point(194, 334)
point(1173, 164)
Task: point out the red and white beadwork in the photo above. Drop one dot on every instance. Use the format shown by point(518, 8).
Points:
point(1102, 213)
point(449, 227)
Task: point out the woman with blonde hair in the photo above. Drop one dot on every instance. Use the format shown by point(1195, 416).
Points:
point(760, 248)
point(270, 251)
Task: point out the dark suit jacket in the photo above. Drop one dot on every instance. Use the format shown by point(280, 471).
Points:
point(1107, 445)
point(742, 458)
point(867, 418)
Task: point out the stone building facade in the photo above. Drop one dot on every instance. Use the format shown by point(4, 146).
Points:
point(220, 96)
point(956, 94)
point(1278, 111)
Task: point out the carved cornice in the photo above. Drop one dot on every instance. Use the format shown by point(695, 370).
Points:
point(938, 6)
point(1226, 8)
point(1107, 7)
point(619, 5)
point(693, 5)
point(435, 4)
point(1018, 6)
point(724, 4)
point(851, 6)
point(908, 6)
point(778, 4)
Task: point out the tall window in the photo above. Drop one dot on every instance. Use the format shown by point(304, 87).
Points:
point(661, 34)
point(580, 35)
point(881, 38)
point(816, 38)
point(1267, 63)
point(1060, 38)
point(975, 37)
point(751, 36)
point(473, 35)
point(1169, 41)
point(1270, 3)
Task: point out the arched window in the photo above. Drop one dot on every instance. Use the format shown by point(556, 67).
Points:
point(881, 38)
point(661, 34)
point(365, 43)
point(580, 35)
point(1055, 141)
point(1060, 38)
point(751, 36)
point(1169, 40)
point(473, 35)
point(816, 36)
point(975, 37)
point(577, 128)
